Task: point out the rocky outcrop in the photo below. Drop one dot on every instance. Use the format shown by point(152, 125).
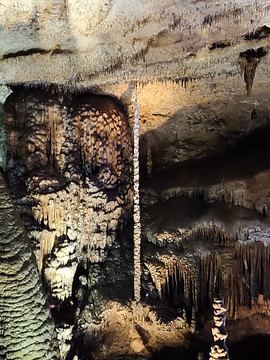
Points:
point(69, 169)
point(27, 329)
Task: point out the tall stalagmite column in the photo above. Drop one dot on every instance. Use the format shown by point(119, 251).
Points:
point(219, 349)
point(26, 328)
point(137, 220)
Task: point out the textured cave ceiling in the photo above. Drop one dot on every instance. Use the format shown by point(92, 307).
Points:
point(201, 69)
point(190, 59)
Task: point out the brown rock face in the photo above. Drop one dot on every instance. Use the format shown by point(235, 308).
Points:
point(69, 169)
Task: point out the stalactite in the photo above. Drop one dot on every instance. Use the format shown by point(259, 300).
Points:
point(231, 193)
point(242, 271)
point(210, 270)
point(249, 61)
point(213, 232)
point(137, 216)
point(179, 286)
point(248, 278)
point(219, 349)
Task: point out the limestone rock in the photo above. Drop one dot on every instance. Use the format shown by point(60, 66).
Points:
point(27, 330)
point(219, 349)
point(75, 156)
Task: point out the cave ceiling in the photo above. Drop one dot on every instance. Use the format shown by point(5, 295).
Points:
point(192, 60)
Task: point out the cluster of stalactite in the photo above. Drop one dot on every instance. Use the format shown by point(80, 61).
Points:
point(69, 168)
point(177, 283)
point(241, 272)
point(250, 277)
point(219, 349)
point(26, 328)
point(210, 275)
point(211, 232)
point(214, 233)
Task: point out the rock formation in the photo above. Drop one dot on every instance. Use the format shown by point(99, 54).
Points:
point(69, 167)
point(219, 349)
point(201, 69)
point(137, 211)
point(26, 327)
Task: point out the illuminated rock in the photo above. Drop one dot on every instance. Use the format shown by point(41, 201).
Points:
point(75, 156)
point(219, 349)
point(27, 330)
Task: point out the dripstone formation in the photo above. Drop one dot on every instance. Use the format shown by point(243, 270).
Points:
point(69, 171)
point(69, 166)
point(219, 349)
point(26, 327)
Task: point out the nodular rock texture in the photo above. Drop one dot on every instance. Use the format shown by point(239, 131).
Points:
point(69, 166)
point(219, 349)
point(26, 327)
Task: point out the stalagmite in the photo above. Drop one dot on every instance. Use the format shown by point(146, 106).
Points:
point(219, 349)
point(26, 327)
point(137, 220)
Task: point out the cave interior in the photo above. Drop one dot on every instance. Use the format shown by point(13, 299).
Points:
point(68, 209)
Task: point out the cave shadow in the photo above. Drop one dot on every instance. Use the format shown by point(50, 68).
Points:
point(237, 154)
point(256, 346)
point(252, 347)
point(193, 350)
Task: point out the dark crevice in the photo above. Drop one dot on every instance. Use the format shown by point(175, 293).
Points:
point(260, 33)
point(219, 45)
point(244, 159)
point(33, 51)
point(253, 53)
